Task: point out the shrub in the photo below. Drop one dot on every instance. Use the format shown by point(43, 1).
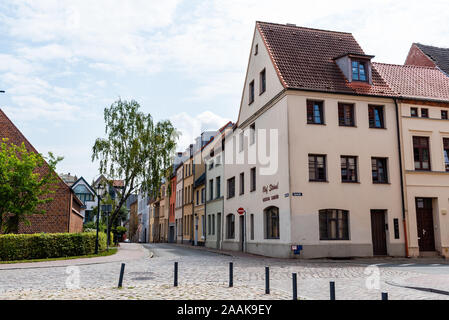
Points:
point(49, 245)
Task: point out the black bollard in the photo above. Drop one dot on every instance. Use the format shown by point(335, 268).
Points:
point(332, 290)
point(295, 287)
point(122, 271)
point(231, 274)
point(384, 295)
point(267, 280)
point(176, 275)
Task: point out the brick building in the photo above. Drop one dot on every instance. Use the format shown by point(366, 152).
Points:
point(428, 56)
point(63, 214)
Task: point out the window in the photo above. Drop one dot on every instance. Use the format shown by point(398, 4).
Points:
point(251, 92)
point(230, 224)
point(421, 153)
point(424, 113)
point(315, 112)
point(271, 223)
point(197, 197)
point(211, 189)
point(317, 167)
point(256, 49)
point(358, 71)
point(379, 170)
point(444, 114)
point(242, 183)
point(348, 169)
point(251, 223)
point(213, 224)
point(446, 153)
point(376, 116)
point(253, 179)
point(211, 164)
point(413, 112)
point(203, 195)
point(263, 85)
point(218, 185)
point(231, 187)
point(252, 131)
point(334, 224)
point(346, 114)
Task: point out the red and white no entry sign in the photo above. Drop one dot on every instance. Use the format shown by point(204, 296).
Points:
point(240, 210)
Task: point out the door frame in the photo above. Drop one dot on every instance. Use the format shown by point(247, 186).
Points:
point(384, 235)
point(431, 215)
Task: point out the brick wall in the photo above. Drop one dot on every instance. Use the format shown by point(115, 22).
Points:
point(58, 211)
point(416, 57)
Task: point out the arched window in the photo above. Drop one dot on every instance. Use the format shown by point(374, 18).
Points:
point(271, 215)
point(230, 226)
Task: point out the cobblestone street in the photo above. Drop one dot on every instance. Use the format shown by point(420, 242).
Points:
point(204, 275)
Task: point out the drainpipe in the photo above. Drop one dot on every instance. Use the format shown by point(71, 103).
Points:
point(402, 179)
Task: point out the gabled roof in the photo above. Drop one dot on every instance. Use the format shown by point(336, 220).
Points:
point(86, 183)
point(438, 55)
point(415, 81)
point(304, 59)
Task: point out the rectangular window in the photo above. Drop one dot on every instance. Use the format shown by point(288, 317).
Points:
point(213, 224)
point(252, 131)
point(256, 49)
point(231, 187)
point(242, 183)
point(197, 197)
point(263, 85)
point(444, 114)
point(346, 114)
point(421, 153)
point(358, 71)
point(334, 224)
point(446, 153)
point(230, 224)
point(317, 167)
point(218, 185)
point(315, 112)
point(424, 113)
point(253, 179)
point(251, 222)
point(211, 189)
point(251, 92)
point(413, 112)
point(203, 195)
point(379, 170)
point(376, 116)
point(348, 169)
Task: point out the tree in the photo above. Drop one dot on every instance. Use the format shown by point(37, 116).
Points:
point(26, 183)
point(135, 150)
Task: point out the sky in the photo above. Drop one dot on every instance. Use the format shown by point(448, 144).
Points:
point(63, 62)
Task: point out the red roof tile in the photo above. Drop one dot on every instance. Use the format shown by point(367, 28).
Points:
point(304, 59)
point(415, 81)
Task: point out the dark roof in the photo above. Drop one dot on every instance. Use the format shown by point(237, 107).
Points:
point(87, 183)
point(438, 55)
point(415, 81)
point(304, 59)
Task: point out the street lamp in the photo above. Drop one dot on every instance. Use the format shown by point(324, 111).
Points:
point(99, 189)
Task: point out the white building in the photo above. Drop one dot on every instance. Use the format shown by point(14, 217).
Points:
point(88, 196)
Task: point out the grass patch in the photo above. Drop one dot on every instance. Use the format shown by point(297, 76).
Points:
point(101, 254)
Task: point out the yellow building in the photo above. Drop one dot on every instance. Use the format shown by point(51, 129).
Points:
point(199, 199)
point(188, 236)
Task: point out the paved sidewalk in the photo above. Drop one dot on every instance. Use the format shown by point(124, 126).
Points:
point(126, 252)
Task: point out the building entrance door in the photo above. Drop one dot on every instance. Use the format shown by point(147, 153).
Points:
point(242, 232)
point(196, 231)
point(379, 236)
point(424, 223)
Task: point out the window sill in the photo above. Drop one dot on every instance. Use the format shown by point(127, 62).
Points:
point(318, 181)
point(347, 126)
point(378, 128)
point(351, 182)
point(381, 183)
point(317, 124)
point(262, 92)
point(250, 103)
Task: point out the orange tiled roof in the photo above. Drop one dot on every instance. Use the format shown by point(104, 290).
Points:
point(304, 59)
point(414, 81)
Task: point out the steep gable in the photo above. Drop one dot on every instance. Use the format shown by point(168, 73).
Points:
point(436, 56)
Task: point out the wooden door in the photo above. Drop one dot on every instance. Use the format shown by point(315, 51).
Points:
point(424, 223)
point(379, 236)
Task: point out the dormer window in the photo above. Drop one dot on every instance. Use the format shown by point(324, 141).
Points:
point(358, 71)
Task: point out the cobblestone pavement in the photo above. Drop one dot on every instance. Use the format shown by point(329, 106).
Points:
point(204, 275)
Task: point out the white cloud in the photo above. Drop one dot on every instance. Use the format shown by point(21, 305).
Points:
point(191, 127)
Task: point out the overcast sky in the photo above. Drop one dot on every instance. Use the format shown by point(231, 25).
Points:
point(63, 62)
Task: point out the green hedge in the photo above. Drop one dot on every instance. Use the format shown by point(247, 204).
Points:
point(49, 245)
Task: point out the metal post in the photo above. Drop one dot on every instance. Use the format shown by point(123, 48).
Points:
point(107, 230)
point(231, 274)
point(267, 280)
point(295, 287)
point(98, 221)
point(384, 295)
point(176, 275)
point(122, 271)
point(332, 290)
